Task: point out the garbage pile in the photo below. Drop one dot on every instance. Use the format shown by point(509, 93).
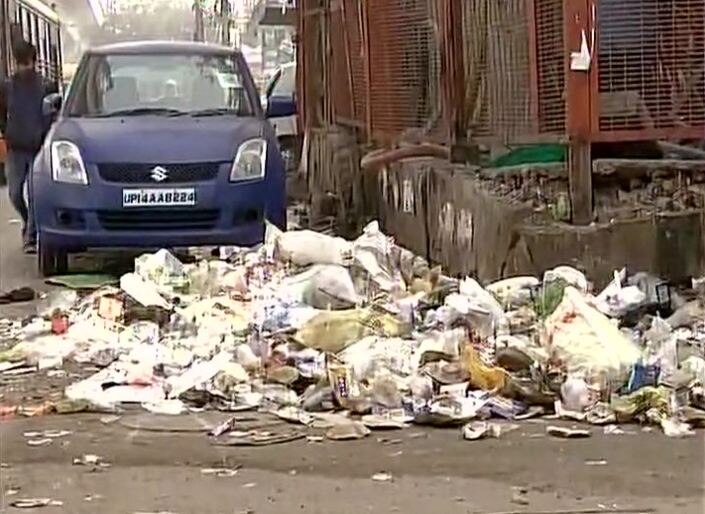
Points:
point(358, 335)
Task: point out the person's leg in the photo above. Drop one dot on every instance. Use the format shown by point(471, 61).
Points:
point(31, 232)
point(16, 173)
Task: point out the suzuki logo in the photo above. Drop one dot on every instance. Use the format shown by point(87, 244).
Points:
point(159, 174)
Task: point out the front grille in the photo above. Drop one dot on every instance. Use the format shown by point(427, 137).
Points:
point(158, 220)
point(172, 173)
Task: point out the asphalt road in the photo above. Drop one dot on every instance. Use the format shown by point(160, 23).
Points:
point(15, 268)
point(431, 470)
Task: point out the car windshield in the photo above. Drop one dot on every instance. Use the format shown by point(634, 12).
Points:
point(160, 85)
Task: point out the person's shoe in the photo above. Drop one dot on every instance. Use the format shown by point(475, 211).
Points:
point(30, 248)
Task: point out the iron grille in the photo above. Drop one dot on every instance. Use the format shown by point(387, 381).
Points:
point(651, 64)
point(404, 67)
point(127, 173)
point(158, 219)
point(550, 64)
point(497, 64)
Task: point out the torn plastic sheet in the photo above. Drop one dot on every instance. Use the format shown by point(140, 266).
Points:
point(162, 267)
point(117, 384)
point(143, 292)
point(197, 375)
point(373, 253)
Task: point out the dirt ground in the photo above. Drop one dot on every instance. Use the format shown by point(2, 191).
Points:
point(431, 470)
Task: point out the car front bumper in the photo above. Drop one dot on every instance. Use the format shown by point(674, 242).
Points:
point(75, 217)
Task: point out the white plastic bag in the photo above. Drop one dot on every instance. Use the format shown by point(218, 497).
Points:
point(160, 267)
point(143, 292)
point(480, 299)
point(514, 291)
point(616, 301)
point(322, 287)
point(373, 252)
point(587, 341)
point(307, 247)
point(569, 275)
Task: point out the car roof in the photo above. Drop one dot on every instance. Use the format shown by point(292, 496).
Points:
point(163, 47)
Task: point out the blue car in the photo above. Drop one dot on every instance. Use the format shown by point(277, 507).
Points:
point(156, 145)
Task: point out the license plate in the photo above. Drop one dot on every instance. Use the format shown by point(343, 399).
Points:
point(158, 197)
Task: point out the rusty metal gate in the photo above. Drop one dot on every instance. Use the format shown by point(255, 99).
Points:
point(382, 62)
point(510, 71)
point(649, 76)
point(387, 67)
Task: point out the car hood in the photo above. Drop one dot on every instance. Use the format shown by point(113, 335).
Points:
point(158, 139)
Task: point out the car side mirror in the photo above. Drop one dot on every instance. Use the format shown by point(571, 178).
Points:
point(52, 104)
point(280, 106)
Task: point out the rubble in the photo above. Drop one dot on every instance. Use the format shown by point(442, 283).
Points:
point(333, 339)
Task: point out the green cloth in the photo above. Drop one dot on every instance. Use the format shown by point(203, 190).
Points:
point(531, 155)
point(83, 282)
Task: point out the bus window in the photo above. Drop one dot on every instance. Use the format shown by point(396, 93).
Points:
point(36, 41)
point(24, 22)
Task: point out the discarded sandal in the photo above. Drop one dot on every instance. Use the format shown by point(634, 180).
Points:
point(23, 294)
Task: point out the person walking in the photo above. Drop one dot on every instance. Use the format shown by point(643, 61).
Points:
point(24, 126)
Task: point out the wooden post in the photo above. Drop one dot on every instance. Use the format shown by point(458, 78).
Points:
point(533, 66)
point(365, 14)
point(577, 23)
point(456, 70)
point(348, 61)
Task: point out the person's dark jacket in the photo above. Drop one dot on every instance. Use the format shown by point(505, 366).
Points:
point(22, 121)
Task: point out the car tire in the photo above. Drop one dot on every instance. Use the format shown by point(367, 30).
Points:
point(52, 261)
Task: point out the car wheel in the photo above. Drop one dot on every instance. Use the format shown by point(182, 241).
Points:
point(52, 261)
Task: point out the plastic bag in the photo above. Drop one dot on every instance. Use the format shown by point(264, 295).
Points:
point(331, 288)
point(587, 342)
point(143, 292)
point(696, 366)
point(372, 354)
point(373, 253)
point(661, 347)
point(514, 291)
point(162, 267)
point(307, 247)
point(568, 275)
point(477, 304)
point(334, 331)
point(575, 394)
point(616, 301)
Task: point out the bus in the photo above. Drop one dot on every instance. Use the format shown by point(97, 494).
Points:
point(39, 24)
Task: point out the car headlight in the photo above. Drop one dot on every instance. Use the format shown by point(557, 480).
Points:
point(250, 161)
point(67, 163)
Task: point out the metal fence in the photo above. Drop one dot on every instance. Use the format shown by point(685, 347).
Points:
point(404, 87)
point(383, 64)
point(650, 69)
point(388, 68)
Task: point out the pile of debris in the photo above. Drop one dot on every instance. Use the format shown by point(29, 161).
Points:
point(357, 335)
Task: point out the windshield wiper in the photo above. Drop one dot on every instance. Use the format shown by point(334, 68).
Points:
point(219, 111)
point(141, 111)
